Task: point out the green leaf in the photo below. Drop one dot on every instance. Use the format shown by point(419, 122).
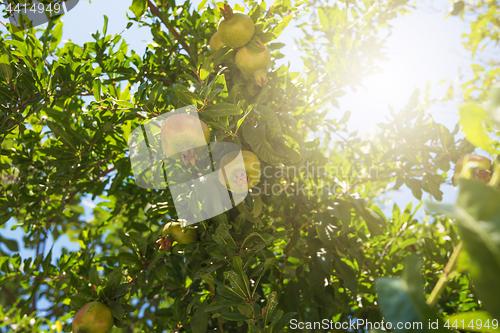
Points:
point(257, 206)
point(94, 276)
point(280, 324)
point(223, 237)
point(202, 5)
point(493, 104)
point(65, 137)
point(185, 96)
point(240, 121)
point(278, 29)
point(323, 19)
point(254, 47)
point(402, 300)
point(217, 305)
point(138, 7)
point(46, 262)
point(105, 28)
point(10, 243)
point(374, 221)
point(6, 70)
point(208, 278)
point(267, 265)
point(117, 310)
point(272, 303)
point(237, 283)
point(205, 69)
point(223, 109)
point(348, 275)
point(256, 138)
point(141, 227)
point(471, 119)
point(234, 316)
point(275, 46)
point(227, 292)
point(238, 266)
point(199, 321)
point(128, 258)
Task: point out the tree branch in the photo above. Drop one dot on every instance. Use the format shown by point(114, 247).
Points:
point(156, 12)
point(444, 279)
point(9, 295)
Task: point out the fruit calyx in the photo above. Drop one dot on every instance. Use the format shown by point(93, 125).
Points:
point(189, 156)
point(483, 175)
point(241, 179)
point(260, 77)
point(227, 11)
point(236, 177)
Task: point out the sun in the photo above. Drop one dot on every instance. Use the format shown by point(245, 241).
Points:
point(393, 85)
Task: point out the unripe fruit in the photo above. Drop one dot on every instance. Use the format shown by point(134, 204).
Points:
point(93, 317)
point(240, 180)
point(254, 64)
point(235, 29)
point(474, 166)
point(174, 230)
point(215, 42)
point(181, 137)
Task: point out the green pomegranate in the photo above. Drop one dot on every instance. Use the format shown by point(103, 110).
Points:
point(239, 179)
point(93, 317)
point(254, 64)
point(181, 138)
point(478, 168)
point(215, 42)
point(174, 231)
point(235, 29)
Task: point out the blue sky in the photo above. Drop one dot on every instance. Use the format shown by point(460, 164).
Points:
point(424, 47)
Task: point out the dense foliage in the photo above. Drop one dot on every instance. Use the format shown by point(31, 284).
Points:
point(309, 243)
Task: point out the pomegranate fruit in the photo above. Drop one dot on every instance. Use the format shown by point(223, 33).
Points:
point(215, 42)
point(181, 137)
point(240, 180)
point(93, 317)
point(235, 29)
point(254, 64)
point(173, 230)
point(478, 167)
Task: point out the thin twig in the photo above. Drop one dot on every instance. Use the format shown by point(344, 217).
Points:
point(138, 115)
